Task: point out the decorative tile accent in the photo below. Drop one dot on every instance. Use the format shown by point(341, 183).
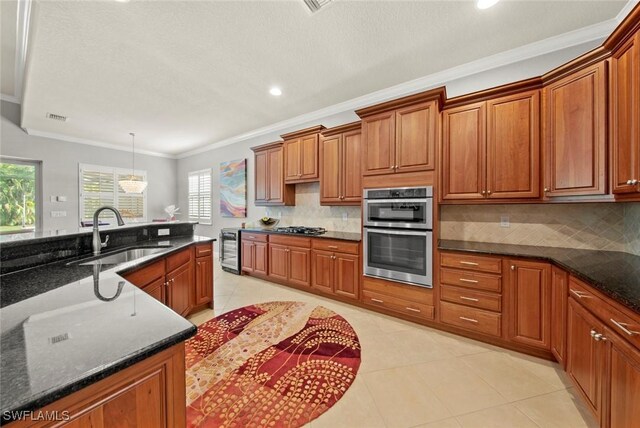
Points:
point(309, 212)
point(585, 226)
point(632, 228)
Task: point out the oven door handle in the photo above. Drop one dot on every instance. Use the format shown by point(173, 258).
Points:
point(397, 232)
point(399, 200)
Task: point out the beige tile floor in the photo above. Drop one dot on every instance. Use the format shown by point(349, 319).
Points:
point(415, 376)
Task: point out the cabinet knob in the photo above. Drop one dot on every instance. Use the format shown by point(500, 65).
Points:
point(488, 192)
point(391, 167)
point(513, 267)
point(634, 181)
point(629, 181)
point(546, 189)
point(483, 192)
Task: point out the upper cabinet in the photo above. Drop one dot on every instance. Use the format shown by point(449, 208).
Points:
point(340, 165)
point(624, 110)
point(574, 129)
point(401, 135)
point(269, 176)
point(301, 155)
point(491, 149)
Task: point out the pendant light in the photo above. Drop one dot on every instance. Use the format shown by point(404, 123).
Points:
point(131, 184)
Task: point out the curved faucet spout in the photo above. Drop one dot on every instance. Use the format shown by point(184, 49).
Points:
point(96, 243)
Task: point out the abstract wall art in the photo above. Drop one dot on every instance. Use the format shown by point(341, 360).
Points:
point(233, 188)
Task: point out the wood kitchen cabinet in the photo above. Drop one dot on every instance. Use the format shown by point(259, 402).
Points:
point(624, 110)
point(559, 299)
point(340, 165)
point(269, 176)
point(301, 155)
point(180, 285)
point(254, 253)
point(530, 303)
point(157, 290)
point(401, 135)
point(204, 276)
point(622, 387)
point(335, 267)
point(289, 260)
point(491, 149)
point(574, 130)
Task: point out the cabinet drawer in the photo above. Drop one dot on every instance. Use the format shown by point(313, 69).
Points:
point(336, 246)
point(256, 237)
point(477, 299)
point(147, 274)
point(176, 260)
point(204, 249)
point(406, 292)
point(473, 319)
point(398, 305)
point(473, 262)
point(292, 241)
point(473, 280)
point(625, 325)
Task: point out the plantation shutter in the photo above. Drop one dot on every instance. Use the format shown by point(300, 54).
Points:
point(200, 196)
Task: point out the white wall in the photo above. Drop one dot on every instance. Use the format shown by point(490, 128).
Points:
point(60, 161)
point(332, 217)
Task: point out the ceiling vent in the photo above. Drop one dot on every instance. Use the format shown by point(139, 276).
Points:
point(57, 117)
point(316, 5)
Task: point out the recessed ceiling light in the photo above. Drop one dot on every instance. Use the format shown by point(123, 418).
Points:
point(275, 91)
point(123, 1)
point(486, 4)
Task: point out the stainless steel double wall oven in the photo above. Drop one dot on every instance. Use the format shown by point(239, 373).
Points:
point(398, 234)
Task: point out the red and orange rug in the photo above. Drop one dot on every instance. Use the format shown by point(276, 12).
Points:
point(276, 364)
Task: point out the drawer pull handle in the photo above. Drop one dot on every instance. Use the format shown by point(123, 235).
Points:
point(377, 300)
point(252, 237)
point(623, 326)
point(332, 246)
point(469, 263)
point(413, 309)
point(473, 281)
point(468, 319)
point(471, 299)
point(580, 295)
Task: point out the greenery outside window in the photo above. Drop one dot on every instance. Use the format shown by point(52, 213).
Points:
point(20, 195)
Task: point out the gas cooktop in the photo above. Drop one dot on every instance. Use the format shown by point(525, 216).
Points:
point(302, 230)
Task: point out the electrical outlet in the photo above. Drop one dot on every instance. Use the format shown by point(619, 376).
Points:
point(164, 232)
point(58, 213)
point(62, 199)
point(504, 221)
point(345, 216)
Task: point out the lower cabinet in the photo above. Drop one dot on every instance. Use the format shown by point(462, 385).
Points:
point(559, 295)
point(335, 273)
point(157, 290)
point(180, 286)
point(204, 281)
point(254, 254)
point(289, 264)
point(530, 303)
point(622, 408)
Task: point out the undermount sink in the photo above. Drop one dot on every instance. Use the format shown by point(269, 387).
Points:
point(122, 256)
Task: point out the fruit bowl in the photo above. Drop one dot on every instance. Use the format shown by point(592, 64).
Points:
point(268, 222)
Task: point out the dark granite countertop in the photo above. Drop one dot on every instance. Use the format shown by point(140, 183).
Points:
point(62, 330)
point(614, 273)
point(329, 234)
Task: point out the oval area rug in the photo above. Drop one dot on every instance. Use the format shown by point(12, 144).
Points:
point(275, 364)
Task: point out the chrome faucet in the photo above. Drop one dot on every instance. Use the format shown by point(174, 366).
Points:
point(96, 243)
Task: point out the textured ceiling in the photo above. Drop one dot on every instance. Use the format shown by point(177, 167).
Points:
point(186, 74)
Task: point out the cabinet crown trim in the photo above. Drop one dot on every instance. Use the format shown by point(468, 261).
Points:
point(267, 146)
point(302, 132)
point(353, 126)
point(626, 29)
point(495, 92)
point(438, 94)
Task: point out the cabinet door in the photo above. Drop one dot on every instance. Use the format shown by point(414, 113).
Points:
point(623, 386)
point(350, 167)
point(260, 257)
point(559, 293)
point(624, 96)
point(322, 270)
point(180, 284)
point(378, 133)
point(530, 303)
point(330, 169)
point(574, 132)
point(416, 136)
point(248, 263)
point(463, 152)
point(157, 290)
point(204, 280)
point(347, 271)
point(292, 153)
point(309, 157)
point(278, 262)
point(276, 171)
point(513, 146)
point(262, 176)
point(585, 356)
point(299, 266)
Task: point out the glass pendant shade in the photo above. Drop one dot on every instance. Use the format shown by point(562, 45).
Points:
point(131, 184)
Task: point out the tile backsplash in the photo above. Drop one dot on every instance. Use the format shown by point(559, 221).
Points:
point(604, 226)
point(632, 227)
point(309, 212)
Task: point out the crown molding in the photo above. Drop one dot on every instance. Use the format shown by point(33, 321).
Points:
point(532, 50)
point(303, 132)
point(76, 140)
point(10, 98)
point(626, 10)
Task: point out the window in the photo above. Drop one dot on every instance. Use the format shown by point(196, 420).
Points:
point(200, 196)
point(20, 200)
point(99, 187)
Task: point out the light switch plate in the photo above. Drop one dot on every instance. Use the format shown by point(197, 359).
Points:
point(58, 213)
point(504, 221)
point(163, 232)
